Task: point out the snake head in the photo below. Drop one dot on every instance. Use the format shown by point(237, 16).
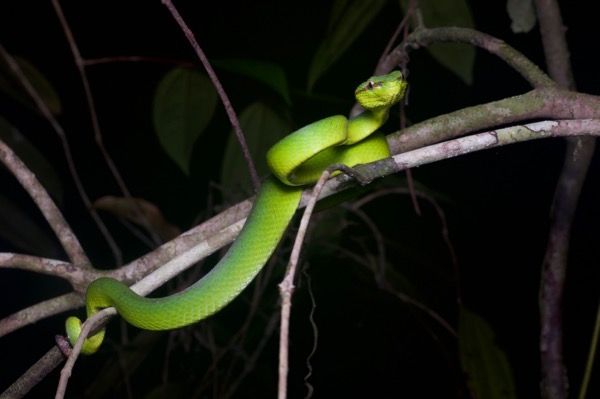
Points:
point(381, 91)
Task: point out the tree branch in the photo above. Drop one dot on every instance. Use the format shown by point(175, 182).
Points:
point(554, 380)
point(536, 104)
point(217, 232)
point(40, 311)
point(51, 213)
point(80, 260)
point(424, 37)
point(431, 154)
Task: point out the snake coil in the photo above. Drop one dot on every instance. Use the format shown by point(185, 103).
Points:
point(295, 161)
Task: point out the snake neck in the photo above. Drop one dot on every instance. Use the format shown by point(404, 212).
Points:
point(365, 123)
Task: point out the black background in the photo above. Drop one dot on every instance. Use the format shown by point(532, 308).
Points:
point(369, 345)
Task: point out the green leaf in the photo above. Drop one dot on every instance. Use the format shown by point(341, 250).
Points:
point(265, 72)
point(489, 373)
point(348, 21)
point(32, 158)
point(522, 14)
point(263, 127)
point(11, 85)
point(458, 58)
point(184, 103)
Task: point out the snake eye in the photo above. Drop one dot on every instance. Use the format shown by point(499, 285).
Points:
point(372, 85)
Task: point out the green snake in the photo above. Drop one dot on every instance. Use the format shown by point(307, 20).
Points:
point(297, 160)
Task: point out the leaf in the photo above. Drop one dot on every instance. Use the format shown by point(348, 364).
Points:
point(139, 211)
point(458, 58)
point(184, 103)
point(265, 72)
point(32, 158)
point(11, 85)
point(522, 14)
point(347, 23)
point(489, 373)
point(263, 127)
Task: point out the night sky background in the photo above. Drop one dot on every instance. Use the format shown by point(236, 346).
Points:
point(370, 344)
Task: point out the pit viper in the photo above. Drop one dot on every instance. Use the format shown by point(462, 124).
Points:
point(295, 161)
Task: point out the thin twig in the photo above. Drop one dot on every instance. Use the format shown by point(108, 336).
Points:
point(143, 287)
point(387, 62)
point(58, 129)
point(80, 64)
point(464, 146)
point(224, 98)
point(187, 249)
point(390, 59)
point(315, 330)
point(383, 284)
point(95, 322)
point(375, 232)
point(251, 360)
point(517, 61)
point(540, 103)
point(136, 58)
point(45, 204)
point(589, 366)
point(286, 287)
point(469, 144)
point(34, 374)
point(41, 310)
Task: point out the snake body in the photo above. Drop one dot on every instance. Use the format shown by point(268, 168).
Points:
point(296, 160)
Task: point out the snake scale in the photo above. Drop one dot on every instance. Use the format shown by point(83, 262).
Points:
point(297, 160)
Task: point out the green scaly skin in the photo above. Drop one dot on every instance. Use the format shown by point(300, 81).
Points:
point(297, 160)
